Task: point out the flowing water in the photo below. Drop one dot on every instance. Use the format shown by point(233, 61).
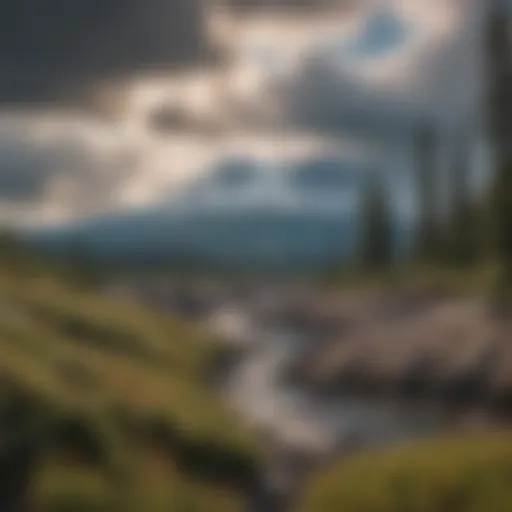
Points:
point(301, 428)
point(307, 420)
point(305, 429)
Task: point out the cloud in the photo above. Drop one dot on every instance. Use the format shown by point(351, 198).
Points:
point(57, 48)
point(250, 6)
point(51, 169)
point(399, 63)
point(175, 127)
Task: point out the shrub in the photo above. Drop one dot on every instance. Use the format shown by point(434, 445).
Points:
point(65, 489)
point(450, 475)
point(111, 386)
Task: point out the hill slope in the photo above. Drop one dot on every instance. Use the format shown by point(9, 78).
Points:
point(468, 474)
point(104, 406)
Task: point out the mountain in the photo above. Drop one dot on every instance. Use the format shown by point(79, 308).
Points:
point(240, 215)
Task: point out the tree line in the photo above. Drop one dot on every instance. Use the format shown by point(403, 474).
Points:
point(475, 227)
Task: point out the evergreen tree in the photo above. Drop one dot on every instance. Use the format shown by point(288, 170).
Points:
point(428, 232)
point(462, 234)
point(499, 70)
point(376, 239)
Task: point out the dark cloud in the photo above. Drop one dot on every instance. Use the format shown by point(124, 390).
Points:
point(23, 172)
point(34, 169)
point(321, 99)
point(53, 48)
point(439, 80)
point(244, 6)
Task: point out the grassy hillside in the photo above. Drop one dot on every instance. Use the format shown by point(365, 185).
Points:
point(450, 475)
point(104, 407)
point(476, 280)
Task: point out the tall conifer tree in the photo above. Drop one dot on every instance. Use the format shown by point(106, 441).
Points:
point(499, 75)
point(428, 236)
point(462, 239)
point(377, 237)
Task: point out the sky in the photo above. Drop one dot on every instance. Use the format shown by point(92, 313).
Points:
point(119, 104)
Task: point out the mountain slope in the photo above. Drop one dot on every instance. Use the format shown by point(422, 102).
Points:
point(239, 215)
point(105, 407)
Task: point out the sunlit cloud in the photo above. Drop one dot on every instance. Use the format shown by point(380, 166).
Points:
point(290, 85)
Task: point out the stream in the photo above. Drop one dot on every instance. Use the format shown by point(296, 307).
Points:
point(305, 429)
point(302, 429)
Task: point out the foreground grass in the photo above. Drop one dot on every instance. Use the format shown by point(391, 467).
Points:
point(473, 281)
point(105, 407)
point(471, 474)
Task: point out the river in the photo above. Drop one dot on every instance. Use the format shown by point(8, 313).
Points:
point(302, 428)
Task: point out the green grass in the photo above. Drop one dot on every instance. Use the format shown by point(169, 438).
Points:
point(115, 405)
point(468, 474)
point(477, 280)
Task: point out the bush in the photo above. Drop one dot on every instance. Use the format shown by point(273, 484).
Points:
point(450, 475)
point(110, 387)
point(66, 489)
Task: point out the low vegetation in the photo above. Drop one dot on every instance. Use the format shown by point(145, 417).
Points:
point(105, 407)
point(466, 474)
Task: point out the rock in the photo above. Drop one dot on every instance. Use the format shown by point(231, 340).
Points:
point(413, 346)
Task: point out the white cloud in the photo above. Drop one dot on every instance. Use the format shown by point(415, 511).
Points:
point(55, 167)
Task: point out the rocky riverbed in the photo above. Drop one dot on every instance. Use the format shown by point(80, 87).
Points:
point(451, 350)
point(319, 374)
